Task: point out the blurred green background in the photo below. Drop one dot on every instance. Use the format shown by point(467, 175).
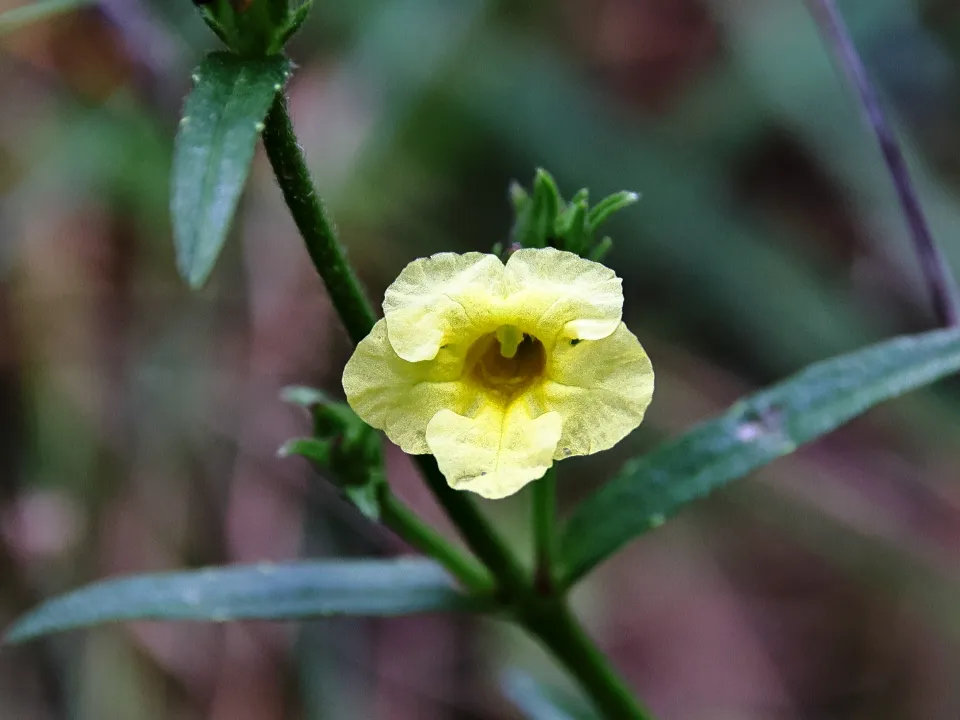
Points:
point(139, 422)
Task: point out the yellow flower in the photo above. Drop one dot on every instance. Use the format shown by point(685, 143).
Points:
point(498, 370)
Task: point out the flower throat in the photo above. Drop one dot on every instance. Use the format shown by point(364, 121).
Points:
point(507, 361)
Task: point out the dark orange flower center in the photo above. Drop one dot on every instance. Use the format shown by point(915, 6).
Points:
point(489, 365)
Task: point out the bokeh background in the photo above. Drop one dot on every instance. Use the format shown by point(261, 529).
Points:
point(139, 421)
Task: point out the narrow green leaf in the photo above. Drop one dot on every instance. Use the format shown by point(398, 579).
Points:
point(601, 249)
point(366, 498)
point(570, 227)
point(519, 196)
point(547, 202)
point(314, 450)
point(267, 591)
point(609, 205)
point(221, 122)
point(219, 17)
point(581, 196)
point(752, 433)
point(19, 17)
point(542, 702)
point(297, 17)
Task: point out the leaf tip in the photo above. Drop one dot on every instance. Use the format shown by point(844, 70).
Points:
point(20, 632)
point(196, 277)
point(305, 397)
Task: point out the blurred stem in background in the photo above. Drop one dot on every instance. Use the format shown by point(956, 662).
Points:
point(936, 272)
point(546, 616)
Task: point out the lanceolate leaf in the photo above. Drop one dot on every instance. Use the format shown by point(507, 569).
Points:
point(221, 122)
point(752, 433)
point(263, 592)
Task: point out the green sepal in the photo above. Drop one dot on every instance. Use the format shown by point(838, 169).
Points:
point(543, 218)
point(536, 212)
point(547, 204)
point(600, 212)
point(316, 451)
point(295, 19)
point(220, 17)
point(518, 196)
point(255, 28)
point(600, 250)
point(279, 11)
point(571, 226)
point(342, 444)
point(366, 498)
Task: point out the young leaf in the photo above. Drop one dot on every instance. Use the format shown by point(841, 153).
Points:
point(315, 450)
point(536, 211)
point(342, 443)
point(609, 205)
point(222, 120)
point(297, 17)
point(253, 592)
point(23, 15)
point(752, 433)
point(571, 229)
point(547, 202)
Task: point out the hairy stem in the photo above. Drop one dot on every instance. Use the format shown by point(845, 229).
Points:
point(357, 315)
point(318, 231)
point(936, 272)
point(545, 617)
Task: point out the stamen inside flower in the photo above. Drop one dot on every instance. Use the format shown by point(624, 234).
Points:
point(509, 337)
point(507, 361)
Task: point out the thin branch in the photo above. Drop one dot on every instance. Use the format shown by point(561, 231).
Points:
point(357, 314)
point(936, 272)
point(548, 618)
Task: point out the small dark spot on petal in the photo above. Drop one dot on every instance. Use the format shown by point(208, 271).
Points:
point(575, 342)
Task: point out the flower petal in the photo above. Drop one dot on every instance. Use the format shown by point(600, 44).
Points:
point(439, 299)
point(401, 397)
point(495, 453)
point(601, 388)
point(556, 294)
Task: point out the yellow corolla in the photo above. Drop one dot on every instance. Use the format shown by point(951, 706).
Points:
point(498, 370)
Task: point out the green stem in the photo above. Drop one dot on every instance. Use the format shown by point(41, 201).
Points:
point(357, 314)
point(315, 225)
point(545, 530)
point(476, 531)
point(419, 535)
point(560, 632)
point(547, 618)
